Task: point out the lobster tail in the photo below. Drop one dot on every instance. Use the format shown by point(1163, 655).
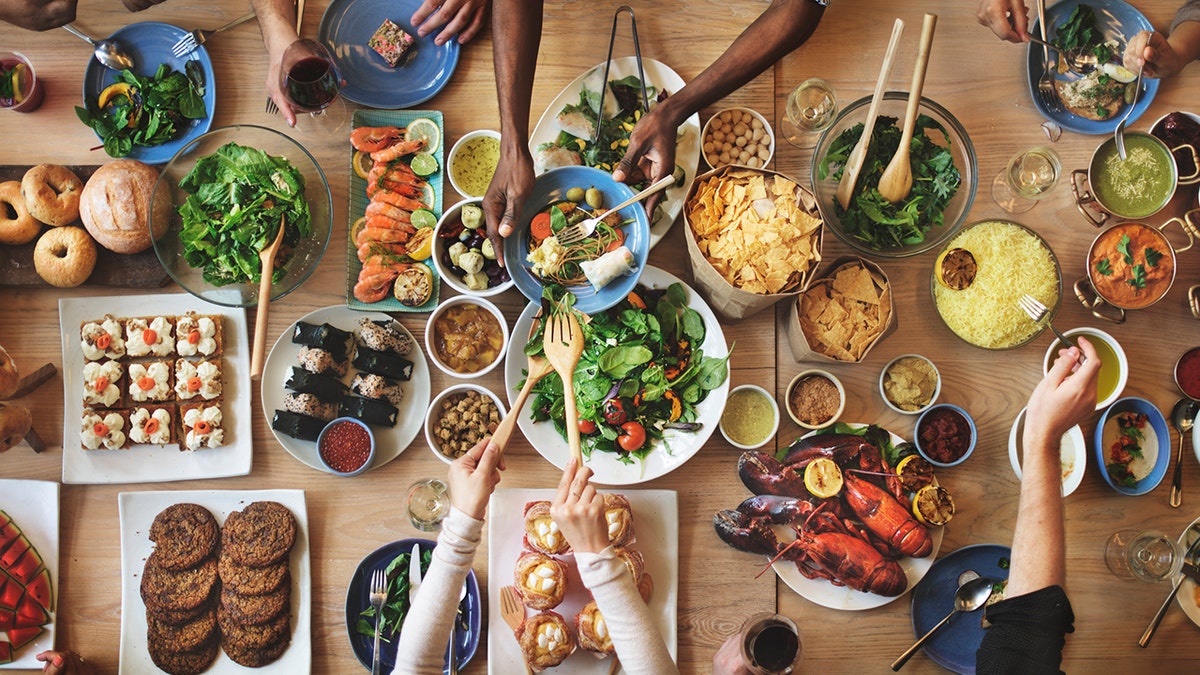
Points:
point(887, 518)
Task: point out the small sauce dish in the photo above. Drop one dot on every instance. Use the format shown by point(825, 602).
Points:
point(945, 435)
point(811, 401)
point(1072, 453)
point(747, 404)
point(909, 384)
point(462, 333)
point(346, 447)
point(472, 161)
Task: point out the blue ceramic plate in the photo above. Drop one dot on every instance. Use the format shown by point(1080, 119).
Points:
point(348, 24)
point(954, 646)
point(1156, 443)
point(551, 187)
point(467, 626)
point(149, 45)
point(1115, 19)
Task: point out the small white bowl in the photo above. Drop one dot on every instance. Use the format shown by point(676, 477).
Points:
point(769, 135)
point(435, 408)
point(443, 244)
point(453, 157)
point(454, 302)
point(1094, 334)
point(1073, 453)
point(815, 372)
point(937, 387)
point(774, 416)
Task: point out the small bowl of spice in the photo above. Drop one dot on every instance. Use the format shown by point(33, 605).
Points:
point(1187, 373)
point(910, 383)
point(472, 161)
point(459, 417)
point(466, 336)
point(815, 399)
point(751, 417)
point(945, 435)
point(346, 446)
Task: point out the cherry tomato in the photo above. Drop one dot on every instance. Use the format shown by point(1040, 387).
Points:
point(614, 412)
point(587, 427)
point(633, 436)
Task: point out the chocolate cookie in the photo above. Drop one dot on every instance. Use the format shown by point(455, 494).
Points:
point(259, 535)
point(255, 610)
point(185, 534)
point(184, 637)
point(190, 662)
point(245, 580)
point(179, 617)
point(177, 590)
point(253, 637)
point(255, 658)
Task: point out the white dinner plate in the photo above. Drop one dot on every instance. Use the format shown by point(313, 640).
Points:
point(824, 593)
point(656, 528)
point(153, 463)
point(679, 446)
point(33, 506)
point(389, 443)
point(687, 145)
point(1188, 596)
point(137, 511)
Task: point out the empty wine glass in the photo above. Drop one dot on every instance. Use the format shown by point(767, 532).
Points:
point(311, 82)
point(1148, 555)
point(811, 109)
point(1028, 178)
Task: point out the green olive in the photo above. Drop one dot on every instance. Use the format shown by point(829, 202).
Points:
point(595, 198)
point(575, 194)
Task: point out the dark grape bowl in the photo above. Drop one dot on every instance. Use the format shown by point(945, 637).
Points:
point(450, 230)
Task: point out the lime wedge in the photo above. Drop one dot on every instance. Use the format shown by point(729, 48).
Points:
point(422, 218)
point(424, 164)
point(425, 129)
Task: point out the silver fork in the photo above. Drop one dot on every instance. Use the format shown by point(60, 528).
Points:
point(378, 597)
point(1037, 311)
point(188, 43)
point(272, 108)
point(584, 228)
point(1046, 90)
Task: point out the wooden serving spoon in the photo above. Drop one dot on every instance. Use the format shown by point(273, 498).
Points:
point(896, 182)
point(536, 368)
point(267, 256)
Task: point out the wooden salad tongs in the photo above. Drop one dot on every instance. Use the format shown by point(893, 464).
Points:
point(537, 367)
point(896, 182)
point(267, 257)
point(563, 343)
point(854, 163)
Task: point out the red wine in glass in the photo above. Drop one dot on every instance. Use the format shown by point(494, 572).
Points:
point(312, 83)
point(770, 644)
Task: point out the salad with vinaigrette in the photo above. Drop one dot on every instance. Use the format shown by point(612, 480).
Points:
point(642, 373)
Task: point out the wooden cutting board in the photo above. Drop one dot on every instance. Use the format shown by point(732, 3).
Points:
point(139, 270)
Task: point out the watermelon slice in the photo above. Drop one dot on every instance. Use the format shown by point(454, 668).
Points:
point(8, 534)
point(4, 517)
point(40, 590)
point(13, 553)
point(6, 652)
point(30, 614)
point(11, 592)
point(8, 619)
point(25, 569)
point(19, 637)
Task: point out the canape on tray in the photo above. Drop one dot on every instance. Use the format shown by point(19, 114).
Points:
point(198, 380)
point(541, 581)
point(541, 532)
point(546, 640)
point(201, 426)
point(102, 339)
point(103, 382)
point(197, 335)
point(152, 424)
point(104, 429)
point(149, 336)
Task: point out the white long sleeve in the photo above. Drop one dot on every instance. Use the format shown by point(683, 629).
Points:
point(638, 644)
point(422, 647)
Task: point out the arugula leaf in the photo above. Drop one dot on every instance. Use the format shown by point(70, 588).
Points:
point(395, 608)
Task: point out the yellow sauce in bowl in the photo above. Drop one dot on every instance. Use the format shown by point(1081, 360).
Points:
point(473, 164)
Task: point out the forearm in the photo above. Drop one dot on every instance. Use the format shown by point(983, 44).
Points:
point(630, 624)
point(277, 22)
point(516, 33)
point(1038, 549)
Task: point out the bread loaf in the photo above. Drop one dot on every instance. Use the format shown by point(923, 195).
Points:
point(115, 206)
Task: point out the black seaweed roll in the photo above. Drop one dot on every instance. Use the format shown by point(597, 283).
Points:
point(325, 336)
point(383, 363)
point(326, 388)
point(297, 425)
point(369, 410)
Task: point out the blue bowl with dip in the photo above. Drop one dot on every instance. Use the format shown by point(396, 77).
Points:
point(942, 413)
point(551, 188)
point(343, 449)
point(1155, 445)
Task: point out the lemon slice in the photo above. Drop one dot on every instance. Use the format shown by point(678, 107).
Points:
point(420, 245)
point(933, 505)
point(18, 90)
point(956, 268)
point(428, 196)
point(823, 478)
point(914, 473)
point(362, 164)
point(355, 229)
point(425, 129)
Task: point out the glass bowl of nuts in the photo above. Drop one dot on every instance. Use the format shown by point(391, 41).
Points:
point(459, 417)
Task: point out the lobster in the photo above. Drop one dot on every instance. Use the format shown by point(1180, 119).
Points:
point(886, 517)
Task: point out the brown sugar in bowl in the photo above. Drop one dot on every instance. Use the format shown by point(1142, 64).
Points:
point(815, 399)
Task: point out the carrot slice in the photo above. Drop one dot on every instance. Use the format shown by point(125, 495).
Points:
point(539, 228)
point(194, 336)
point(202, 427)
point(100, 384)
point(151, 425)
point(149, 336)
point(146, 383)
point(194, 384)
point(103, 340)
point(100, 429)
point(616, 243)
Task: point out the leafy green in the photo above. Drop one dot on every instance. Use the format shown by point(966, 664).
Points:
point(395, 608)
point(1079, 30)
point(1104, 267)
point(1123, 248)
point(872, 219)
point(154, 111)
point(6, 83)
point(1152, 256)
point(1139, 277)
point(236, 198)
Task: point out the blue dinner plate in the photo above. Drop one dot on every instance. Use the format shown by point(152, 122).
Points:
point(466, 630)
point(551, 187)
point(954, 646)
point(348, 24)
point(1115, 19)
point(149, 45)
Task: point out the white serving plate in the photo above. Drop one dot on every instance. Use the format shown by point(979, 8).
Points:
point(33, 506)
point(152, 463)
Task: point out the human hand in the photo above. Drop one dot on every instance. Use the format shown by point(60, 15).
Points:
point(511, 184)
point(650, 155)
point(463, 18)
point(728, 659)
point(1153, 54)
point(1064, 397)
point(579, 510)
point(64, 663)
point(1008, 19)
point(37, 14)
point(474, 476)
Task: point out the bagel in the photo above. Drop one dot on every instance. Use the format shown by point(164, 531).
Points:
point(16, 225)
point(115, 206)
point(52, 194)
point(65, 256)
point(15, 423)
point(9, 377)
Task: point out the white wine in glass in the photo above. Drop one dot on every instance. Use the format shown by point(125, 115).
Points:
point(1148, 556)
point(428, 504)
point(1029, 177)
point(811, 109)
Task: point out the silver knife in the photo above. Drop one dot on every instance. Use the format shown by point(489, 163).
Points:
point(414, 573)
point(1191, 571)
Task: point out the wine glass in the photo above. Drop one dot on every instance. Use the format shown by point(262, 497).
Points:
point(428, 503)
point(311, 82)
point(1028, 177)
point(770, 644)
point(811, 109)
point(1148, 555)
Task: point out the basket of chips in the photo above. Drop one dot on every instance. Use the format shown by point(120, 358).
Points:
point(754, 238)
point(843, 313)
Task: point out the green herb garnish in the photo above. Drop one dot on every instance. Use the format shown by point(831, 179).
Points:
point(1152, 256)
point(1104, 267)
point(146, 111)
point(1139, 277)
point(395, 608)
point(1079, 30)
point(1123, 249)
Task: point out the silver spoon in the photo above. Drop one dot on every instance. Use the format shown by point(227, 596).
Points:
point(1119, 133)
point(1079, 60)
point(1182, 416)
point(969, 597)
point(108, 52)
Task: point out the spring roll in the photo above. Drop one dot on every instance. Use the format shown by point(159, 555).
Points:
point(601, 271)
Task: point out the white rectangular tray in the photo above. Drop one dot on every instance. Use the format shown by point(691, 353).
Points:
point(33, 506)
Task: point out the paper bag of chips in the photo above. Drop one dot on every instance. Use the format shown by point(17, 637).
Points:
point(843, 313)
point(754, 238)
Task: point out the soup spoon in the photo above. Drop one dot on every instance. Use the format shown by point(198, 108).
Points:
point(1182, 416)
point(108, 52)
point(969, 597)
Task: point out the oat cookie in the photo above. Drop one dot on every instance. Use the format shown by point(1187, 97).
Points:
point(259, 535)
point(182, 663)
point(184, 535)
point(245, 580)
point(255, 610)
point(256, 658)
point(253, 637)
point(177, 590)
point(184, 637)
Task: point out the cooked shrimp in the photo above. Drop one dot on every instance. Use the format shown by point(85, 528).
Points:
point(382, 208)
point(386, 223)
point(375, 287)
point(374, 139)
point(398, 150)
point(387, 236)
point(399, 200)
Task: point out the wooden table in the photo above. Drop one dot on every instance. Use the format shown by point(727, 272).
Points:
point(977, 77)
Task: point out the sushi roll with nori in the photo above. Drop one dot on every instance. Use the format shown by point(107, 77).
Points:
point(384, 336)
point(326, 388)
point(322, 361)
point(378, 387)
point(383, 363)
point(309, 404)
point(369, 411)
point(325, 336)
point(297, 425)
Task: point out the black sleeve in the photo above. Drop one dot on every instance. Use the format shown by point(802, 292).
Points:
point(1027, 634)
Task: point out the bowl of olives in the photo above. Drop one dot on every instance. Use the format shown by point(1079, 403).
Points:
point(463, 254)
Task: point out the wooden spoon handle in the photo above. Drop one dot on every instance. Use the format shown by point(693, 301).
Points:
point(505, 430)
point(260, 320)
point(572, 420)
point(855, 162)
point(918, 81)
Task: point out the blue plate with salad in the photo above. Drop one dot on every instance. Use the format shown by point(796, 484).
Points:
point(1113, 20)
point(467, 624)
point(953, 647)
point(149, 45)
point(626, 373)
